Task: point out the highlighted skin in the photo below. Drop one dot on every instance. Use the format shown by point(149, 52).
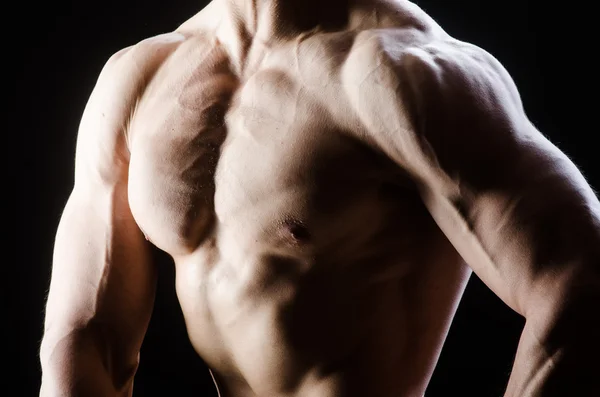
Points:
point(325, 180)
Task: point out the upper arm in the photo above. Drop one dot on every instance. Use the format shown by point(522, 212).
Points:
point(514, 206)
point(102, 280)
point(518, 209)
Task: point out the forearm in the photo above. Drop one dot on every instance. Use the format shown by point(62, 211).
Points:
point(537, 371)
point(80, 364)
point(559, 348)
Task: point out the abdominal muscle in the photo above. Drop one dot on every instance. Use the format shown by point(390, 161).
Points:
point(288, 324)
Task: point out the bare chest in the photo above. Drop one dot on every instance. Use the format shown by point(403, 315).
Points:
point(266, 200)
point(252, 156)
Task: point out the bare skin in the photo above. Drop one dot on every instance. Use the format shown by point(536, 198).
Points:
point(325, 182)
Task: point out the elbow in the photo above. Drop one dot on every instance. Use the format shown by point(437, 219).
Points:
point(80, 363)
point(562, 308)
point(566, 331)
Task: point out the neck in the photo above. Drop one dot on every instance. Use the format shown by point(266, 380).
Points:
point(238, 24)
point(280, 18)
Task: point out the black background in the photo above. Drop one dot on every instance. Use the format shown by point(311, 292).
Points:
point(57, 50)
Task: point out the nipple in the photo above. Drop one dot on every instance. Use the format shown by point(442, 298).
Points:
point(297, 231)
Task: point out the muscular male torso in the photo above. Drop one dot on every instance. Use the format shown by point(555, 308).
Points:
point(306, 261)
point(321, 172)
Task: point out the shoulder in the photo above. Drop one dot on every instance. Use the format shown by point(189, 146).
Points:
point(419, 61)
point(133, 65)
point(457, 76)
point(465, 111)
point(430, 101)
point(123, 79)
point(432, 76)
point(102, 138)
